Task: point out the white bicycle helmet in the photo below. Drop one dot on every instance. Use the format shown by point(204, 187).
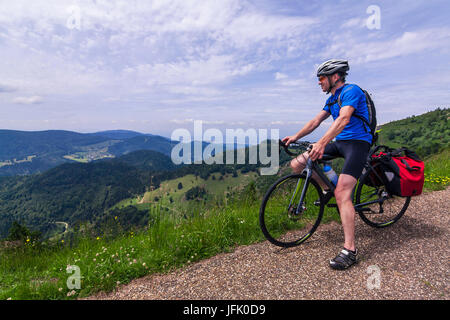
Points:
point(333, 66)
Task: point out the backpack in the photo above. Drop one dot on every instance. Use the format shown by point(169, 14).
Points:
point(372, 123)
point(403, 174)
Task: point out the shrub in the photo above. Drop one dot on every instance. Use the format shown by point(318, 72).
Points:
point(22, 233)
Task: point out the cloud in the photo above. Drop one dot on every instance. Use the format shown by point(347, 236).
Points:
point(409, 42)
point(28, 100)
point(179, 43)
point(277, 122)
point(215, 122)
point(283, 111)
point(254, 27)
point(181, 121)
point(296, 83)
point(191, 56)
point(354, 22)
point(279, 76)
point(192, 90)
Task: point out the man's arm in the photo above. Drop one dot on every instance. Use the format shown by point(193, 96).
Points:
point(338, 125)
point(309, 127)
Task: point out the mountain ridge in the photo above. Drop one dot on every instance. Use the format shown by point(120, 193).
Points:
point(28, 152)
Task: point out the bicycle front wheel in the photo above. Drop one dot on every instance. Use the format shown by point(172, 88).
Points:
point(377, 206)
point(283, 220)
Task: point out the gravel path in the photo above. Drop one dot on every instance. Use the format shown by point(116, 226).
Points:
point(412, 257)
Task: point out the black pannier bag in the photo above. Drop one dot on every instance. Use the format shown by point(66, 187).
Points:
point(401, 170)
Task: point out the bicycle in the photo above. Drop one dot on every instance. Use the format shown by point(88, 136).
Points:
point(293, 206)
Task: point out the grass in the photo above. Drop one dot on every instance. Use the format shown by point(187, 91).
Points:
point(39, 272)
point(437, 171)
point(216, 188)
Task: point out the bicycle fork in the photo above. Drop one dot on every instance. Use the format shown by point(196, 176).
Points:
point(301, 207)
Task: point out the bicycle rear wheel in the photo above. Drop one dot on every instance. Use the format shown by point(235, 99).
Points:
point(279, 220)
point(387, 208)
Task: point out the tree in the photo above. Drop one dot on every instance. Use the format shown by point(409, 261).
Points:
point(392, 135)
point(20, 232)
point(196, 193)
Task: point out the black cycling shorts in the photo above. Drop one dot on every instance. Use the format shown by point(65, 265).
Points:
point(354, 152)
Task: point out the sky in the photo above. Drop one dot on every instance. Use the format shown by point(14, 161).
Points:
point(157, 66)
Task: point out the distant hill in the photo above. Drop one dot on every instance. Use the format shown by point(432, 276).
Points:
point(426, 134)
point(143, 142)
point(28, 152)
point(118, 134)
point(146, 160)
point(20, 144)
point(75, 192)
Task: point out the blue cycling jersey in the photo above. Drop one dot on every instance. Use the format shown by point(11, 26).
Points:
point(351, 95)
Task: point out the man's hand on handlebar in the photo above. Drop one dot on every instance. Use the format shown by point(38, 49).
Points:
point(288, 140)
point(316, 148)
point(316, 151)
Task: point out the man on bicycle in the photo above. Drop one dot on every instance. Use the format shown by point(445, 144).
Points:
point(353, 142)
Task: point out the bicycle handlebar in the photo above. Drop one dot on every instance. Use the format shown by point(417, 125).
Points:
point(300, 144)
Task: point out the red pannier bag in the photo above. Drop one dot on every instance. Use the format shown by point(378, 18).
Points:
point(402, 170)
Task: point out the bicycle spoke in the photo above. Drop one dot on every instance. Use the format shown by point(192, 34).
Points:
point(386, 210)
point(282, 220)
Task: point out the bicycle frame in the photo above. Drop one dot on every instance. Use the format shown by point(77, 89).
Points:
point(312, 166)
point(358, 207)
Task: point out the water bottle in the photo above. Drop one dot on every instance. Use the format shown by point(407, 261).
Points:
point(329, 172)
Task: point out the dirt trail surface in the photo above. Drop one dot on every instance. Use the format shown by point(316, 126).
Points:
point(412, 257)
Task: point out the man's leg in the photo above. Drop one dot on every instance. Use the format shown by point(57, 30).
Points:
point(355, 154)
point(343, 194)
point(348, 256)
